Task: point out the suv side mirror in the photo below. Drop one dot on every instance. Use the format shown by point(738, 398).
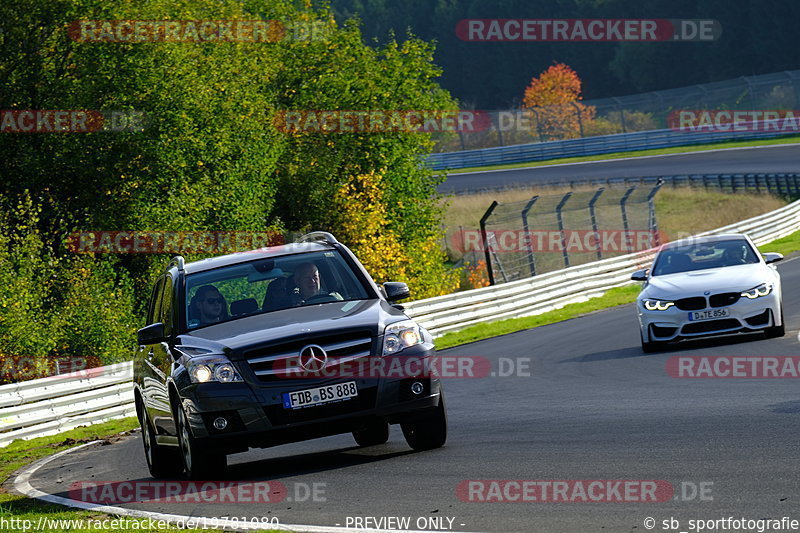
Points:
point(772, 257)
point(152, 334)
point(396, 291)
point(639, 275)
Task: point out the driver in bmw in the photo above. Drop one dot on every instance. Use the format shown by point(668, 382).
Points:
point(306, 277)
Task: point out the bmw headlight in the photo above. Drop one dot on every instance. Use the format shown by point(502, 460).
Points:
point(212, 368)
point(757, 292)
point(652, 304)
point(401, 335)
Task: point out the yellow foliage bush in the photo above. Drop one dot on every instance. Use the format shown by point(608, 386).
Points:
point(364, 226)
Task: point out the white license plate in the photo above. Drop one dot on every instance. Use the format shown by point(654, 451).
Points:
point(320, 395)
point(709, 314)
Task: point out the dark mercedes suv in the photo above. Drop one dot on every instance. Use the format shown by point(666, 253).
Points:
point(279, 345)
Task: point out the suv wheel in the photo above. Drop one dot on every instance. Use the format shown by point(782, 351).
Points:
point(372, 434)
point(427, 431)
point(198, 461)
point(162, 461)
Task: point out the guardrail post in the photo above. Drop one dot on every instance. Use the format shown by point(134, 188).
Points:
point(651, 213)
point(622, 203)
point(531, 258)
point(593, 214)
point(485, 240)
point(560, 218)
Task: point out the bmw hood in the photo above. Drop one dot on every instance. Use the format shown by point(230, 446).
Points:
point(715, 280)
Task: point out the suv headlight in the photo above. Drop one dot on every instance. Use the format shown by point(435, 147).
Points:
point(401, 335)
point(757, 292)
point(212, 368)
point(652, 304)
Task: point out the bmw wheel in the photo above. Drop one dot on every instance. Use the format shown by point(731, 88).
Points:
point(776, 331)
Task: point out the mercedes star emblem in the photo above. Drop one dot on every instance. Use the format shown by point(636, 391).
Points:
point(313, 358)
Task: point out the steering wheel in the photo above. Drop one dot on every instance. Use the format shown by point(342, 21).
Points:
point(321, 298)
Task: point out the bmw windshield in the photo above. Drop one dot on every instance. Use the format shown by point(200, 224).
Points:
point(705, 255)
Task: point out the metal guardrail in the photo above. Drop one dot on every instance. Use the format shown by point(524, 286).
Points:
point(603, 144)
point(539, 294)
point(50, 405)
point(47, 406)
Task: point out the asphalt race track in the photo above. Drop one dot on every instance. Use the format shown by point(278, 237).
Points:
point(764, 159)
point(593, 408)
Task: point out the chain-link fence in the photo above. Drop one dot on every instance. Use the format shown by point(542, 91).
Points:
point(549, 232)
point(626, 114)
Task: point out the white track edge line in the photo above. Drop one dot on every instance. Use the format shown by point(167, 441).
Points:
point(23, 485)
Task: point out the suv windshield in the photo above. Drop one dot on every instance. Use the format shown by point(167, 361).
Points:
point(266, 285)
point(705, 255)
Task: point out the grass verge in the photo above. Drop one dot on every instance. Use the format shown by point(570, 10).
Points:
point(611, 298)
point(640, 153)
point(20, 513)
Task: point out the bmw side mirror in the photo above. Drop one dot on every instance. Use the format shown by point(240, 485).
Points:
point(639, 275)
point(773, 257)
point(396, 291)
point(152, 334)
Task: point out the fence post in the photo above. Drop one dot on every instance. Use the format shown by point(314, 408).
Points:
point(621, 114)
point(651, 212)
point(486, 253)
point(624, 210)
point(593, 214)
point(580, 122)
point(531, 258)
point(560, 219)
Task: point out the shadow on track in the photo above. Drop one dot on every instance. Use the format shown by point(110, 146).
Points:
point(686, 345)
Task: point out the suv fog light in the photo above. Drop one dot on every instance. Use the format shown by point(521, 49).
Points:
point(220, 423)
point(417, 387)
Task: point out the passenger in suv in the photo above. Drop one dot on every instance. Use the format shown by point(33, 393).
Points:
point(276, 371)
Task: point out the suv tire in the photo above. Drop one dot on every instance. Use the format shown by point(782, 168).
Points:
point(162, 461)
point(198, 461)
point(372, 434)
point(427, 431)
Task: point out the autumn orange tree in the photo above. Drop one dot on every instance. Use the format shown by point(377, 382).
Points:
point(554, 100)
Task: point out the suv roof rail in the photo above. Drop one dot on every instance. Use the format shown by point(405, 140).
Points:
point(316, 236)
point(177, 261)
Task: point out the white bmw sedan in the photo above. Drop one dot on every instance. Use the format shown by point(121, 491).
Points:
point(706, 286)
